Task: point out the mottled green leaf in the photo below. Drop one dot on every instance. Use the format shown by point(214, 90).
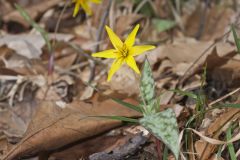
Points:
point(163, 125)
point(153, 107)
point(147, 85)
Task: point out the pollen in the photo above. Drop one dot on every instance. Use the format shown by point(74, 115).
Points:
point(124, 51)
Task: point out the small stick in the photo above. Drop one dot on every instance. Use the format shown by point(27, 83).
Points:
point(224, 97)
point(99, 36)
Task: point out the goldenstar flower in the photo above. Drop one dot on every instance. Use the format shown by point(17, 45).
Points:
point(123, 52)
point(85, 6)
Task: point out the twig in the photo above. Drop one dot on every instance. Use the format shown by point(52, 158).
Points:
point(140, 5)
point(202, 21)
point(99, 36)
point(184, 77)
point(224, 97)
point(176, 15)
point(51, 58)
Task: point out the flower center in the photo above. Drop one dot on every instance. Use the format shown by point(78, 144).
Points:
point(124, 51)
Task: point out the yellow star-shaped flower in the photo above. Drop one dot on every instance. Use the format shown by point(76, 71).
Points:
point(123, 52)
point(85, 6)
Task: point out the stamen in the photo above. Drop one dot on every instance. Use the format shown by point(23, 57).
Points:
point(124, 50)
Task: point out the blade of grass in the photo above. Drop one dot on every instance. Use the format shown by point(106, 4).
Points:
point(231, 105)
point(128, 105)
point(219, 152)
point(230, 145)
point(185, 93)
point(125, 104)
point(165, 153)
point(236, 38)
point(27, 18)
point(120, 118)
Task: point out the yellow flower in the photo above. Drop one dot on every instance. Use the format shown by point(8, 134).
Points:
point(123, 52)
point(84, 4)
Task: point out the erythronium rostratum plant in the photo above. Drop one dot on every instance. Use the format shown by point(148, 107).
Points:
point(123, 52)
point(162, 124)
point(85, 6)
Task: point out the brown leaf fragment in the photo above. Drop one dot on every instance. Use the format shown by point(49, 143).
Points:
point(215, 22)
point(53, 127)
point(214, 60)
point(204, 149)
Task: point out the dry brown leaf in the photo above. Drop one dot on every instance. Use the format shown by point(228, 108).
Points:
point(14, 121)
point(53, 127)
point(34, 11)
point(203, 148)
point(200, 146)
point(126, 22)
point(222, 120)
point(30, 45)
point(185, 51)
point(229, 74)
point(94, 145)
point(216, 22)
point(125, 81)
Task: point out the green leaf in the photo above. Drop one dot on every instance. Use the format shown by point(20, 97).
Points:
point(185, 93)
point(144, 8)
point(219, 152)
point(230, 145)
point(231, 105)
point(147, 85)
point(165, 153)
point(27, 18)
point(236, 38)
point(120, 118)
point(163, 125)
point(162, 25)
point(128, 105)
point(154, 107)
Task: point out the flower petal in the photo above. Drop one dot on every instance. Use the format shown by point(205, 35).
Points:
point(116, 42)
point(115, 66)
point(136, 50)
point(76, 8)
point(131, 37)
point(111, 53)
point(86, 8)
point(96, 1)
point(132, 63)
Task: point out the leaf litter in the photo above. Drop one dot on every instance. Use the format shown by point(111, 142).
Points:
point(52, 115)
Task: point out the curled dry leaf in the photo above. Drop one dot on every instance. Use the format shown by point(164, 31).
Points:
point(53, 127)
point(28, 45)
